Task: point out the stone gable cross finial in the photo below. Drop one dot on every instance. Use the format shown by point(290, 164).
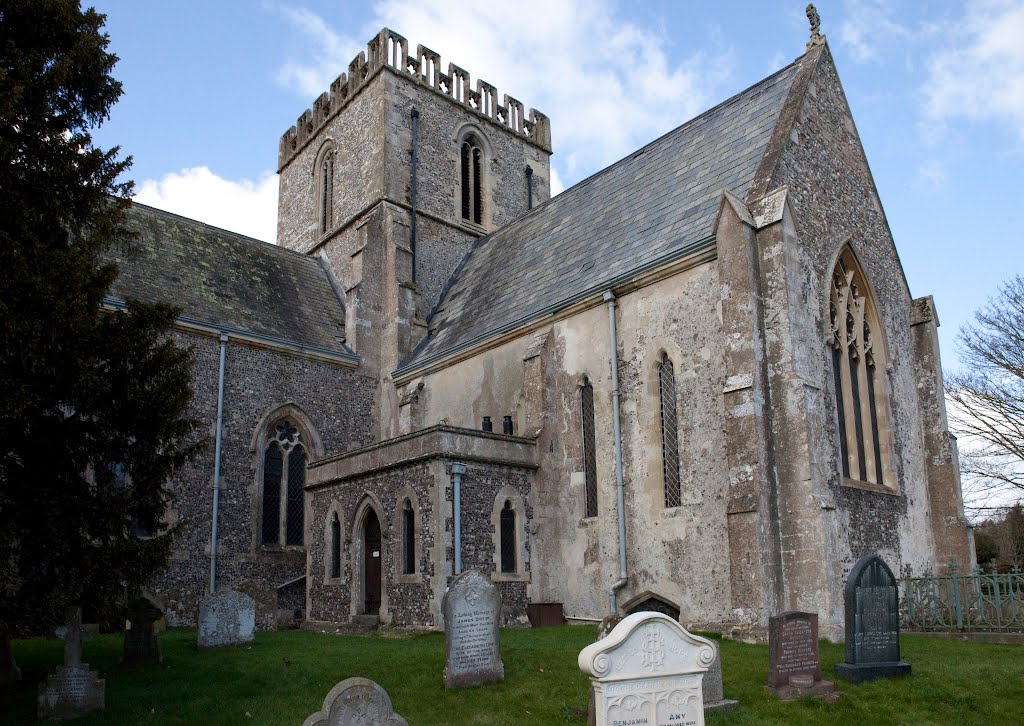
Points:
point(816, 37)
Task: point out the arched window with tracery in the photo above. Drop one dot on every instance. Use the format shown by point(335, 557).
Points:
point(284, 480)
point(325, 189)
point(669, 431)
point(471, 164)
point(858, 365)
point(408, 538)
point(508, 538)
point(589, 448)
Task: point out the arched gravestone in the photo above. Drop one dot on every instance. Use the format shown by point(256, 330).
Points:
point(356, 702)
point(872, 623)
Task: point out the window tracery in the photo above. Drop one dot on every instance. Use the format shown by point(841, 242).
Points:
point(471, 165)
point(284, 479)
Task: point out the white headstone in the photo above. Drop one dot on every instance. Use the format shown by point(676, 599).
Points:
point(226, 618)
point(648, 672)
point(356, 702)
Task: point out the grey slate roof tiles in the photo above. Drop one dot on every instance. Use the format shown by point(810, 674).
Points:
point(224, 279)
point(660, 199)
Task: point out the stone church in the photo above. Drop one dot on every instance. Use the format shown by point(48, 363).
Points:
point(695, 382)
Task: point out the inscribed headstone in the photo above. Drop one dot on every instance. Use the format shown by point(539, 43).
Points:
point(226, 618)
point(73, 690)
point(141, 641)
point(871, 600)
point(794, 670)
point(648, 670)
point(471, 607)
point(356, 702)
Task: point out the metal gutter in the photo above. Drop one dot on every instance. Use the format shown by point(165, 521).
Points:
point(216, 464)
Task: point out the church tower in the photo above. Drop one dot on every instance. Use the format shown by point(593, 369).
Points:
point(390, 178)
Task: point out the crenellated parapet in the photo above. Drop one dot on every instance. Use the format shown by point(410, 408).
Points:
point(389, 50)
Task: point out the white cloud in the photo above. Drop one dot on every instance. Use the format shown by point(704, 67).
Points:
point(246, 207)
point(980, 75)
point(869, 28)
point(932, 175)
point(331, 50)
point(608, 85)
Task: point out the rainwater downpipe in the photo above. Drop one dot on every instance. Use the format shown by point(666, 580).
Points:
point(457, 469)
point(609, 297)
point(216, 464)
point(412, 232)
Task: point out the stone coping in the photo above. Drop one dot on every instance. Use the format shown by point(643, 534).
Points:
point(435, 442)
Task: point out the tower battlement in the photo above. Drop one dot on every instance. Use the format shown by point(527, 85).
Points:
point(389, 50)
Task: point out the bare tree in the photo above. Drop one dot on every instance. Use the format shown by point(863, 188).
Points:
point(988, 396)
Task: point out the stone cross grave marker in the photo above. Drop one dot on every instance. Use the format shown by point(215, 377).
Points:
point(871, 601)
point(141, 641)
point(794, 668)
point(356, 702)
point(648, 670)
point(472, 610)
point(73, 690)
point(226, 618)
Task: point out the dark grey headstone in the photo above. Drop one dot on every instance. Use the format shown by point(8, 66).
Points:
point(356, 702)
point(226, 618)
point(73, 690)
point(472, 607)
point(794, 670)
point(141, 640)
point(871, 600)
point(714, 693)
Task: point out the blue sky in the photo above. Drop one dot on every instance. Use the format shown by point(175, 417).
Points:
point(936, 88)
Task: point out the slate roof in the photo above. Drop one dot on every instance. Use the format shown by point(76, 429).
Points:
point(658, 201)
point(226, 280)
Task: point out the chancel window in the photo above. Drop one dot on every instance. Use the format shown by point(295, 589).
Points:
point(858, 367)
point(326, 185)
point(669, 431)
point(284, 480)
point(472, 168)
point(589, 448)
point(335, 546)
point(408, 538)
point(508, 538)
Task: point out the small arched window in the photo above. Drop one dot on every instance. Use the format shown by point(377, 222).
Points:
point(472, 169)
point(857, 364)
point(335, 546)
point(508, 538)
point(669, 431)
point(284, 480)
point(325, 183)
point(589, 448)
point(408, 539)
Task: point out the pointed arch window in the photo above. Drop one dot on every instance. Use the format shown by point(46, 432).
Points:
point(669, 431)
point(284, 480)
point(335, 546)
point(325, 185)
point(408, 538)
point(471, 165)
point(508, 538)
point(589, 448)
point(858, 365)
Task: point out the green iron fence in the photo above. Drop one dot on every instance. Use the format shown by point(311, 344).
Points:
point(966, 602)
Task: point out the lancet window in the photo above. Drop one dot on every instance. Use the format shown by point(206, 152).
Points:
point(472, 169)
point(325, 184)
point(589, 448)
point(284, 479)
point(335, 546)
point(508, 538)
point(858, 367)
point(408, 538)
point(669, 431)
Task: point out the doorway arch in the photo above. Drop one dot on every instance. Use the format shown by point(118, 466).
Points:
point(372, 555)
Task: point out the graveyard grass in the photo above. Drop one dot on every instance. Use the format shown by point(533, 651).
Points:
point(283, 677)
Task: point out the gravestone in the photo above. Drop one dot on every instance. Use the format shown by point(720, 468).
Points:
point(141, 641)
point(471, 607)
point(226, 618)
point(356, 702)
point(73, 690)
point(871, 600)
point(714, 694)
point(9, 671)
point(794, 670)
point(648, 670)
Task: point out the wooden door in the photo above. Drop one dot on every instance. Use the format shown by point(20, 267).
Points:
point(371, 564)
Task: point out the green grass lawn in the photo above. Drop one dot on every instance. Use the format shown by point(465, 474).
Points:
point(284, 676)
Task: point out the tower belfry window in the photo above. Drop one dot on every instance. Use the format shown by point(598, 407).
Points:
point(471, 165)
point(326, 184)
point(857, 366)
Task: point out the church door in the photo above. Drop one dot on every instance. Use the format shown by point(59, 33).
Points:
point(371, 564)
